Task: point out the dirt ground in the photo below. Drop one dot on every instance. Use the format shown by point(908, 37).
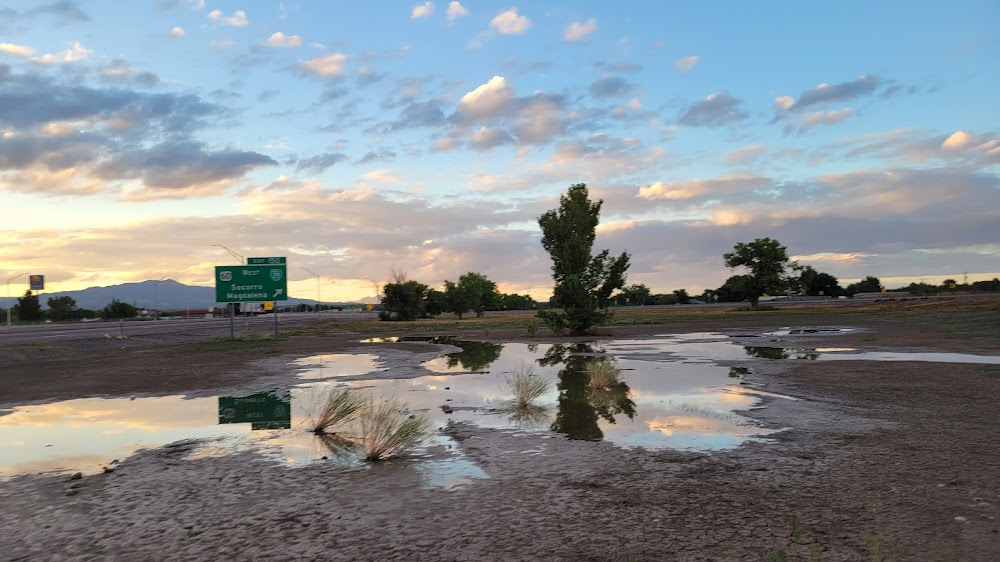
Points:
point(881, 461)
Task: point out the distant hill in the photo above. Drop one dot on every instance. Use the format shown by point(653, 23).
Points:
point(169, 294)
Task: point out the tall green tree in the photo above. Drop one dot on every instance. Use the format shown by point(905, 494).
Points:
point(404, 300)
point(61, 308)
point(28, 309)
point(517, 302)
point(583, 282)
point(814, 283)
point(766, 261)
point(456, 299)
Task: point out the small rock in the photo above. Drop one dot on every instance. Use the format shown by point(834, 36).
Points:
point(72, 492)
point(109, 469)
point(447, 388)
point(76, 476)
point(960, 519)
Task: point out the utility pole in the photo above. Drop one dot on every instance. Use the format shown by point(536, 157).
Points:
point(318, 299)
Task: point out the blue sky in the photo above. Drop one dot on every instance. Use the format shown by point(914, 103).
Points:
point(428, 137)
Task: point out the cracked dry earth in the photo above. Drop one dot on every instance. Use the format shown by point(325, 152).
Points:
point(880, 461)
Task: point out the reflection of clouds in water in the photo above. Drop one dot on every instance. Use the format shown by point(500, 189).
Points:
point(338, 365)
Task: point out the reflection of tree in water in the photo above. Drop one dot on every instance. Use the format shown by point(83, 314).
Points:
point(778, 353)
point(766, 352)
point(475, 355)
point(580, 406)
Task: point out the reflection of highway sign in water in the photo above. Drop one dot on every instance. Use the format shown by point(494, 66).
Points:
point(264, 410)
point(251, 283)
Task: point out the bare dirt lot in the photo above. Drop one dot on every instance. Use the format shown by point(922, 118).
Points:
point(880, 461)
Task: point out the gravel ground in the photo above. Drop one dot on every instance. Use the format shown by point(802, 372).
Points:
point(883, 461)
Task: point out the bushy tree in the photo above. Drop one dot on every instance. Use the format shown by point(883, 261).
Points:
point(814, 283)
point(735, 289)
point(434, 303)
point(766, 260)
point(473, 292)
point(634, 295)
point(583, 282)
point(517, 302)
point(404, 300)
point(28, 309)
point(869, 284)
point(118, 309)
point(61, 308)
point(682, 296)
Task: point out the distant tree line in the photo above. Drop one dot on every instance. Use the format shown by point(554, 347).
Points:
point(406, 299)
point(63, 309)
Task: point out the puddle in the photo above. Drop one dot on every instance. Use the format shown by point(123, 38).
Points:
point(339, 365)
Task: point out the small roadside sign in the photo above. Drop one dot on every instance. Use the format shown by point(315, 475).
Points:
point(251, 283)
point(36, 282)
point(268, 306)
point(266, 261)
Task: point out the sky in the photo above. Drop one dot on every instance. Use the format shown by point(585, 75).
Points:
point(140, 140)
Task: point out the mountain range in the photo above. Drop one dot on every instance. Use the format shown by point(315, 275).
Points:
point(167, 294)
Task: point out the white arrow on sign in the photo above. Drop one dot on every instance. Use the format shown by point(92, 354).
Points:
point(276, 293)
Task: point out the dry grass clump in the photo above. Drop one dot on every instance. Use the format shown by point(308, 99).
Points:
point(341, 406)
point(603, 375)
point(386, 430)
point(525, 385)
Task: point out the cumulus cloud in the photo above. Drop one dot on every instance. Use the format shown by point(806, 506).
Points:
point(714, 111)
point(238, 19)
point(686, 64)
point(16, 50)
point(456, 10)
point(177, 32)
point(325, 66)
point(702, 188)
point(826, 117)
point(577, 31)
point(279, 39)
point(492, 99)
point(76, 52)
point(116, 69)
point(422, 11)
point(510, 23)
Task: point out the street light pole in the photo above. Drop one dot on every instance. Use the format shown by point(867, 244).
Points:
point(9, 303)
point(232, 253)
point(318, 298)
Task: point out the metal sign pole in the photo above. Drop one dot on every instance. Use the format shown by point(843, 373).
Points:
point(232, 323)
point(275, 322)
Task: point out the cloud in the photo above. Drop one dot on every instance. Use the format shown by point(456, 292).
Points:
point(510, 23)
point(321, 162)
point(714, 111)
point(279, 39)
point(686, 64)
point(179, 166)
point(456, 10)
point(238, 19)
point(577, 31)
point(76, 52)
point(610, 87)
point(116, 69)
point(419, 114)
point(16, 50)
point(973, 150)
point(826, 117)
point(422, 11)
point(64, 11)
point(177, 32)
point(486, 138)
point(703, 188)
point(381, 155)
point(325, 66)
point(745, 155)
point(492, 99)
point(824, 94)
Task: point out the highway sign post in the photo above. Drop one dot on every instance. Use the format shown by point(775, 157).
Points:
point(266, 281)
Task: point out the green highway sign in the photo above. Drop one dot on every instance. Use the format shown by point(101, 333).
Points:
point(251, 283)
point(266, 261)
point(264, 410)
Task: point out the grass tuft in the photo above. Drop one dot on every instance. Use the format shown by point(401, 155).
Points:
point(387, 432)
point(341, 406)
point(526, 386)
point(603, 375)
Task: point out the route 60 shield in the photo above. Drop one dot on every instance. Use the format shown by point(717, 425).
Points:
point(276, 275)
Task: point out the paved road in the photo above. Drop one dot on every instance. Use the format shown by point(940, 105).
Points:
point(189, 326)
